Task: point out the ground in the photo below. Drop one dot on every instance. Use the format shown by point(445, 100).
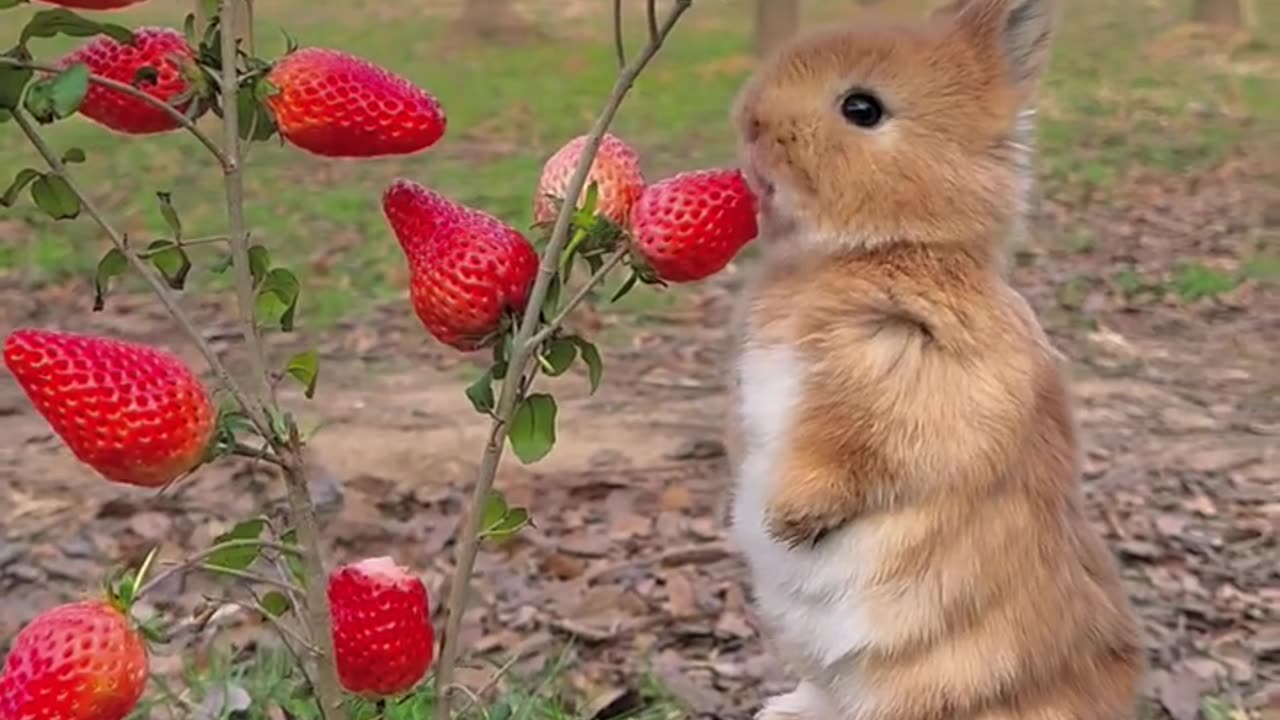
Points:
point(1154, 262)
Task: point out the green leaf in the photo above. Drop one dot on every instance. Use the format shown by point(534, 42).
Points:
point(493, 511)
point(238, 558)
point(73, 155)
point(560, 356)
point(170, 214)
point(292, 560)
point(552, 299)
point(59, 96)
point(533, 429)
point(113, 264)
point(145, 75)
point(480, 393)
point(593, 197)
point(13, 80)
point(510, 524)
point(53, 195)
point(305, 368)
point(222, 264)
point(284, 286)
point(275, 603)
point(189, 29)
point(256, 123)
point(20, 181)
point(259, 263)
point(48, 23)
point(629, 283)
point(590, 356)
point(172, 262)
point(6, 4)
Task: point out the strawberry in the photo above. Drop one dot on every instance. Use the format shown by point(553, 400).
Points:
point(616, 168)
point(78, 661)
point(382, 637)
point(466, 267)
point(337, 105)
point(163, 49)
point(690, 226)
point(94, 4)
point(134, 413)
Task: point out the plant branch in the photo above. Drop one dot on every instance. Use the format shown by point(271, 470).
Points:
point(264, 453)
point(619, 45)
point(139, 94)
point(555, 322)
point(287, 633)
point(651, 14)
point(153, 279)
point(469, 541)
point(193, 242)
point(233, 180)
point(252, 577)
point(301, 509)
point(199, 559)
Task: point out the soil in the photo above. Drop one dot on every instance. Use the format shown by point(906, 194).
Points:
point(1179, 404)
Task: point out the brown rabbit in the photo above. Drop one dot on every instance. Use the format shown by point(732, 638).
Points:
point(907, 496)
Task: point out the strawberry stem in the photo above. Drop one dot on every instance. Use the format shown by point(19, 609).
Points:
point(528, 338)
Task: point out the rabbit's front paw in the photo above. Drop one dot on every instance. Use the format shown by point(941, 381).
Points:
point(806, 702)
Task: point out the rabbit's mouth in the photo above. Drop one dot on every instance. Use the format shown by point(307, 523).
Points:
point(762, 186)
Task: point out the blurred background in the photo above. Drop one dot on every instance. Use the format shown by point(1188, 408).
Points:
point(1153, 259)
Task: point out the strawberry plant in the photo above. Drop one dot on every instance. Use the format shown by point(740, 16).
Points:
point(138, 416)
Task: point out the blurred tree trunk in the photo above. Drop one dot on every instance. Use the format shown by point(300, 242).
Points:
point(1228, 13)
point(493, 19)
point(776, 22)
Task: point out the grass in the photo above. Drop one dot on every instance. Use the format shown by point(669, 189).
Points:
point(1108, 110)
point(265, 685)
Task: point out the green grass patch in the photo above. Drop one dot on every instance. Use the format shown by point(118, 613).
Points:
point(267, 682)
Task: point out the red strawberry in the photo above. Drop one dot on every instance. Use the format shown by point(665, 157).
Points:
point(337, 105)
point(134, 413)
point(93, 4)
point(382, 636)
point(690, 226)
point(163, 49)
point(79, 661)
point(616, 168)
point(466, 266)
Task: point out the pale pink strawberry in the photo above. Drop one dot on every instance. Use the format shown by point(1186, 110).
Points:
point(616, 167)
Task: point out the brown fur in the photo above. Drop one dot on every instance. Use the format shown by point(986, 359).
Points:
point(933, 407)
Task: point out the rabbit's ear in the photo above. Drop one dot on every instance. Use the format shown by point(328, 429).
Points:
point(1020, 31)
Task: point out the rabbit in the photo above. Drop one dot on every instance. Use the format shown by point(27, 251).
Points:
point(906, 497)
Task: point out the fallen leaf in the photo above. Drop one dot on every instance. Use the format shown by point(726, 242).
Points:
point(682, 597)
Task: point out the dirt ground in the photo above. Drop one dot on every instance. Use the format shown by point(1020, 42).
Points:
point(1179, 404)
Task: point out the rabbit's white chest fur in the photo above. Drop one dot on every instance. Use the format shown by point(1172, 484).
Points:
point(815, 599)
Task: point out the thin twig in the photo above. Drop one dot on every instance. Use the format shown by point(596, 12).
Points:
point(193, 242)
point(651, 13)
point(152, 278)
point(134, 92)
point(583, 292)
point(468, 543)
point(286, 633)
point(198, 559)
point(248, 576)
point(263, 453)
point(619, 45)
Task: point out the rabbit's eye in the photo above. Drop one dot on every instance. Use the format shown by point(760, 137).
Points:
point(862, 109)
